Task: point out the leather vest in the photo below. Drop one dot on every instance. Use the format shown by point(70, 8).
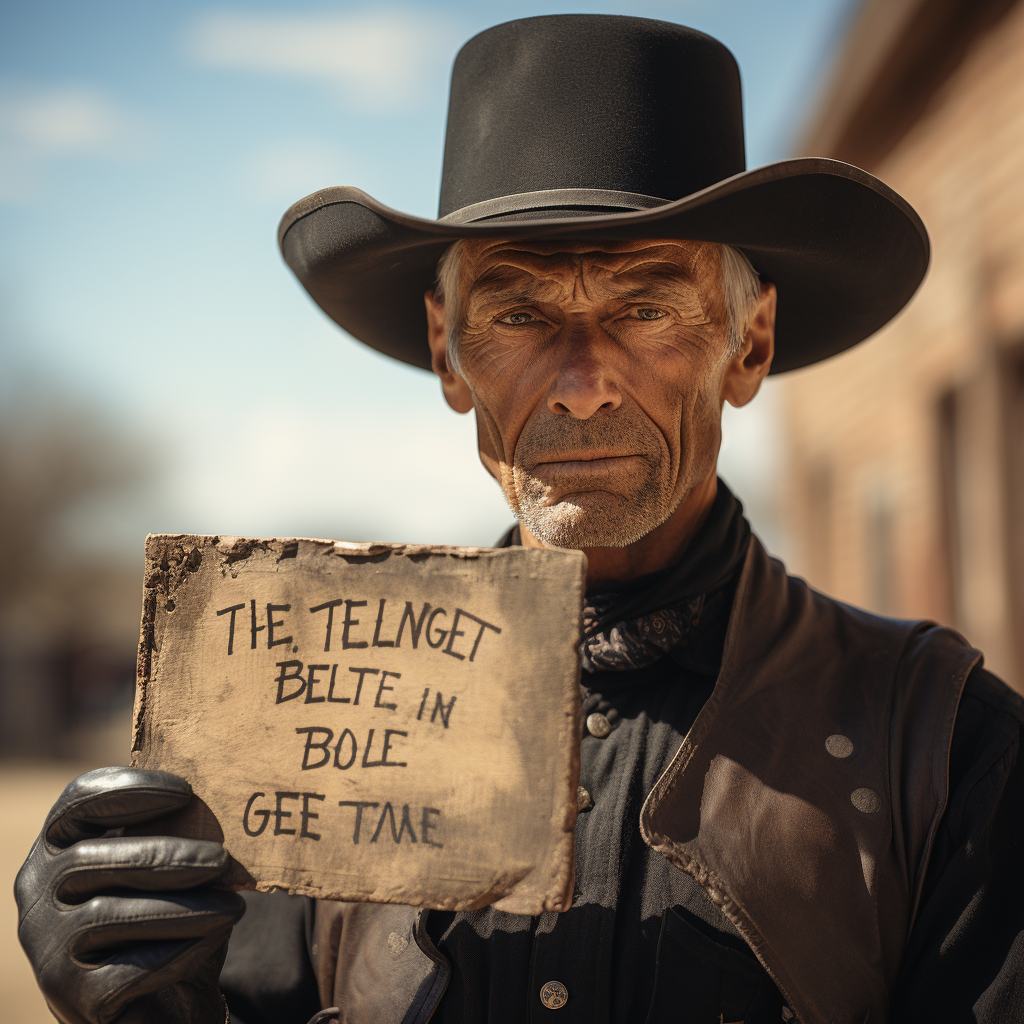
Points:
point(804, 800)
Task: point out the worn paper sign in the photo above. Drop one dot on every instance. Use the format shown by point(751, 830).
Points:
point(369, 722)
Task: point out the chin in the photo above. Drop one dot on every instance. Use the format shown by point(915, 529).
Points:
point(598, 520)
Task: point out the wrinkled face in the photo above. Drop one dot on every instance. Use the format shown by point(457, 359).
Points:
point(596, 378)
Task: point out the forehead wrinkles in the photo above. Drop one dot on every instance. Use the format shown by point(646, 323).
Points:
point(513, 275)
point(497, 265)
point(685, 255)
point(510, 270)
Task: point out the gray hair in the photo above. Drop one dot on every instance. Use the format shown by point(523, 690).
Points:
point(446, 290)
point(741, 289)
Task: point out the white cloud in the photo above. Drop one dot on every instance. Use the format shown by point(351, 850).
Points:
point(70, 120)
point(291, 168)
point(371, 59)
point(39, 126)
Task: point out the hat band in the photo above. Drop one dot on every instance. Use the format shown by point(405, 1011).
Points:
point(549, 197)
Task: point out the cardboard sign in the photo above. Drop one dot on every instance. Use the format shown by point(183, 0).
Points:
point(369, 722)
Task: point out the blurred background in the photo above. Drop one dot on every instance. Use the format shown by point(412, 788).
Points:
point(161, 371)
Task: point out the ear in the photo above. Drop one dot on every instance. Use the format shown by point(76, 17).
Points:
point(456, 391)
point(751, 364)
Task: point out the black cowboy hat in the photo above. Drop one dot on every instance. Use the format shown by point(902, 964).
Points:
point(607, 127)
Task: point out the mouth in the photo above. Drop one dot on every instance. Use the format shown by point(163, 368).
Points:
point(585, 465)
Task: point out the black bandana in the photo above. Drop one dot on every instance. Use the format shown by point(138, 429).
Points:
point(631, 624)
point(634, 643)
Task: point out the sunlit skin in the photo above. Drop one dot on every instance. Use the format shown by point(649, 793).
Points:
point(598, 375)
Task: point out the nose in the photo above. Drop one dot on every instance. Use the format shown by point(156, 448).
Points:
point(584, 383)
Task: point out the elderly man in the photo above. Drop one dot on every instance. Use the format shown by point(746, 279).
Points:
point(790, 809)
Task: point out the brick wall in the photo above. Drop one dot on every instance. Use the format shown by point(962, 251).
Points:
point(904, 477)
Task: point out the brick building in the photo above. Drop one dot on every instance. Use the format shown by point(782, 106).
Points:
point(904, 489)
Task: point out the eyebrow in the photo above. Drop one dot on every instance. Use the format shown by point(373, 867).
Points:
point(503, 284)
point(657, 280)
point(661, 270)
point(654, 290)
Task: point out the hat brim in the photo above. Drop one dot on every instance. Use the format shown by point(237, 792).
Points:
point(845, 252)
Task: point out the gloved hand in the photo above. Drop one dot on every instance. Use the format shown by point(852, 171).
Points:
point(119, 927)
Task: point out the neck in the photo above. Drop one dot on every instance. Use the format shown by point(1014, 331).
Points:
point(660, 548)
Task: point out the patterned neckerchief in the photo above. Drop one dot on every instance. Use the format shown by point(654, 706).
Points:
point(634, 643)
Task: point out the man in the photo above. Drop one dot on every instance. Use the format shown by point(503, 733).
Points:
point(790, 809)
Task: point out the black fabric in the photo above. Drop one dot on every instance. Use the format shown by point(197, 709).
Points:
point(626, 104)
point(964, 963)
point(596, 101)
point(268, 975)
point(635, 643)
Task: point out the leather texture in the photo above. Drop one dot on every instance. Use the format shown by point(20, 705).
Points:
point(804, 800)
point(124, 928)
point(806, 796)
point(376, 963)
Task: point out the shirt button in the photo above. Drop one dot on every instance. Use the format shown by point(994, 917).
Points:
point(598, 725)
point(554, 995)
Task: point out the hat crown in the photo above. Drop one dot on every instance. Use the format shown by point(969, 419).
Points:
point(590, 102)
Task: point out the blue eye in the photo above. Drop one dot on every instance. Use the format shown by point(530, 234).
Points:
point(517, 318)
point(650, 314)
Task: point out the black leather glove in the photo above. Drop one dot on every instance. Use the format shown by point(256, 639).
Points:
point(125, 928)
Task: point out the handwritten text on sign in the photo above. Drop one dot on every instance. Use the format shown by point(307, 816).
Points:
point(388, 723)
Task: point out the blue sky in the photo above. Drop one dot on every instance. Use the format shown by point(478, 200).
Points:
point(147, 152)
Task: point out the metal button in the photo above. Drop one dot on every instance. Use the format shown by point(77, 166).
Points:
point(598, 725)
point(865, 800)
point(554, 995)
point(839, 745)
point(584, 801)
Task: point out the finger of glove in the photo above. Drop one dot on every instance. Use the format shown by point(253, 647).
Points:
point(148, 863)
point(110, 798)
point(98, 927)
point(99, 995)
